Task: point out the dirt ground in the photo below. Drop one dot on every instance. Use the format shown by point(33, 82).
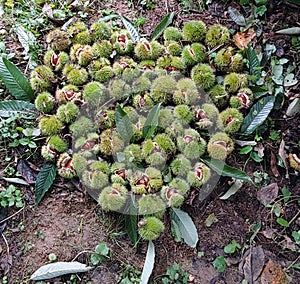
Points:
point(69, 223)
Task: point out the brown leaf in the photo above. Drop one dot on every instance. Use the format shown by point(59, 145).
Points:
point(273, 273)
point(242, 39)
point(252, 264)
point(274, 165)
point(26, 172)
point(6, 263)
point(283, 156)
point(267, 194)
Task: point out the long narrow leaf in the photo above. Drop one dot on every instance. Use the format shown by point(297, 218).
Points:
point(186, 226)
point(254, 63)
point(13, 107)
point(165, 22)
point(289, 31)
point(151, 122)
point(224, 170)
point(134, 33)
point(15, 81)
point(258, 114)
point(149, 263)
point(56, 269)
point(44, 181)
point(123, 124)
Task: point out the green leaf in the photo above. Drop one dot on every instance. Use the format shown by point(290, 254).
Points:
point(236, 16)
point(232, 190)
point(296, 2)
point(257, 114)
point(219, 264)
point(282, 222)
point(254, 63)
point(108, 18)
point(175, 231)
point(15, 81)
point(44, 181)
point(231, 248)
point(246, 150)
point(56, 269)
point(123, 124)
point(131, 227)
point(102, 249)
point(259, 91)
point(261, 10)
point(149, 263)
point(134, 33)
point(26, 37)
point(286, 194)
point(296, 236)
point(186, 226)
point(17, 108)
point(165, 22)
point(255, 157)
point(151, 122)
point(224, 170)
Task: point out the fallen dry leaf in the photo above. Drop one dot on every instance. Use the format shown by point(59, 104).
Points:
point(274, 168)
point(283, 156)
point(242, 39)
point(267, 194)
point(273, 274)
point(252, 264)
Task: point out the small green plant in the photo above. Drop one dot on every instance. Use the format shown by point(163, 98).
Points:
point(219, 263)
point(102, 253)
point(129, 275)
point(261, 178)
point(11, 197)
point(274, 135)
point(175, 274)
point(232, 247)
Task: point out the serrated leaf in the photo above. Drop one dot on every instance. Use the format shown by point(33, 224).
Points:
point(123, 124)
point(15, 81)
point(259, 91)
point(289, 31)
point(134, 33)
point(165, 22)
point(186, 226)
point(26, 37)
point(44, 181)
point(151, 122)
point(236, 16)
point(149, 263)
point(56, 269)
point(254, 63)
point(257, 114)
point(224, 170)
point(232, 190)
point(14, 107)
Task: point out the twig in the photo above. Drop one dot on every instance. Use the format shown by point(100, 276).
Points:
point(80, 253)
point(6, 242)
point(4, 220)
